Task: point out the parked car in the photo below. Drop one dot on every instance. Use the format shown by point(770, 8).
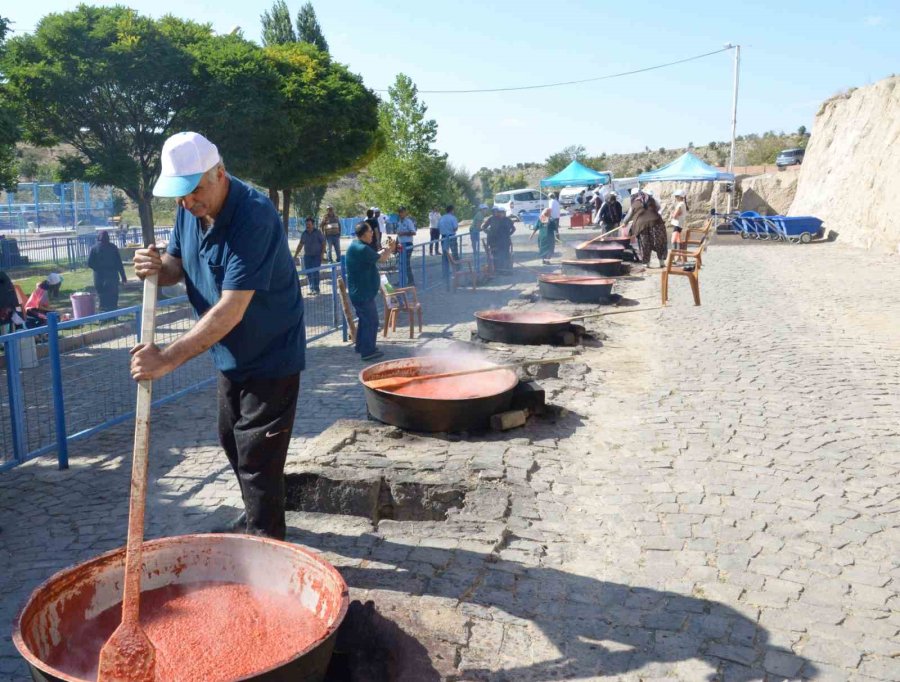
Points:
point(789, 157)
point(518, 201)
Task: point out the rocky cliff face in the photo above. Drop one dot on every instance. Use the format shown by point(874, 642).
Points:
point(850, 177)
point(769, 194)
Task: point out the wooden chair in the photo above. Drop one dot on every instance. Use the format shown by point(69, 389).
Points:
point(401, 300)
point(689, 269)
point(462, 269)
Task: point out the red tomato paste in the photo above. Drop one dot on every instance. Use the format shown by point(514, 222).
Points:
point(204, 631)
point(459, 388)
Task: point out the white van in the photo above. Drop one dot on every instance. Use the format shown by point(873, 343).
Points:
point(517, 201)
point(568, 196)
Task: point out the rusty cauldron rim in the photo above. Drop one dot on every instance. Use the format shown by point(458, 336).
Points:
point(510, 375)
point(108, 559)
point(590, 261)
point(480, 315)
point(581, 280)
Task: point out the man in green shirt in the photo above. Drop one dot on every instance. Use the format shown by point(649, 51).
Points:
point(363, 282)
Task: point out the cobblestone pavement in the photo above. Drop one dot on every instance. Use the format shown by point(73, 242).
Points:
point(716, 497)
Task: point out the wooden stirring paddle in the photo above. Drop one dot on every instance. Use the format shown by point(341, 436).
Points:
point(393, 383)
point(128, 655)
point(611, 312)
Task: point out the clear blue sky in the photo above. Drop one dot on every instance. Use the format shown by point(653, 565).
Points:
point(795, 54)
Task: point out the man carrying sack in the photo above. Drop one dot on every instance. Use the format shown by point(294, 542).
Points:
point(331, 228)
point(229, 248)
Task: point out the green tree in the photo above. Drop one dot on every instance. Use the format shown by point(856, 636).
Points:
point(801, 131)
point(556, 162)
point(308, 29)
point(459, 191)
point(327, 123)
point(277, 28)
point(409, 171)
point(9, 123)
point(112, 84)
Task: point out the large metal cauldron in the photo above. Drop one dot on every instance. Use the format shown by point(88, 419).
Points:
point(71, 597)
point(458, 404)
point(596, 267)
point(597, 250)
point(575, 288)
point(532, 328)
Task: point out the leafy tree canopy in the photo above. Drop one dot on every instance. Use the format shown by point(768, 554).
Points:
point(9, 123)
point(556, 162)
point(111, 83)
point(277, 28)
point(308, 29)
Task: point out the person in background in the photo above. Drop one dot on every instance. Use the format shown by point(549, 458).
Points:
point(312, 241)
point(611, 212)
point(647, 226)
point(433, 232)
point(406, 236)
point(678, 218)
point(382, 224)
point(372, 220)
point(499, 229)
point(596, 202)
point(555, 209)
point(448, 226)
point(38, 305)
point(331, 229)
point(229, 248)
point(475, 227)
point(55, 280)
point(105, 261)
point(546, 236)
point(363, 283)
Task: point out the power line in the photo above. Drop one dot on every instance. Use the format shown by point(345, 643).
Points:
point(585, 80)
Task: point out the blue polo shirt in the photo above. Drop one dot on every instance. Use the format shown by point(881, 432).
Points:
point(363, 280)
point(245, 249)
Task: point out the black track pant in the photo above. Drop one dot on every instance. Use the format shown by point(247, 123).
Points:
point(255, 422)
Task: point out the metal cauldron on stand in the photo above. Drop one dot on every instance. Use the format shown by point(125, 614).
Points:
point(595, 267)
point(533, 327)
point(444, 405)
point(575, 288)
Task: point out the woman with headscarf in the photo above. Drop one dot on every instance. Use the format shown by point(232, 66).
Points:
point(106, 263)
point(546, 233)
point(499, 229)
point(648, 226)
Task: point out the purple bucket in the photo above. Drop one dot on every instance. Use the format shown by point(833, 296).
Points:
point(82, 304)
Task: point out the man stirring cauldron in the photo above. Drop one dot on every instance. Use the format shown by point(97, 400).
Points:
point(229, 247)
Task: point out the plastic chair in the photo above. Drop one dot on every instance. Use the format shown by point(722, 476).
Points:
point(401, 300)
point(462, 269)
point(689, 269)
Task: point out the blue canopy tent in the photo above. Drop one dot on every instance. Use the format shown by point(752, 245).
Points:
point(576, 174)
point(686, 168)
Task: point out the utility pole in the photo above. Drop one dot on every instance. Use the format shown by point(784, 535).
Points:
point(734, 102)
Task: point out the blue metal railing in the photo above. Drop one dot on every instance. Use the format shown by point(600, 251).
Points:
point(78, 383)
point(69, 252)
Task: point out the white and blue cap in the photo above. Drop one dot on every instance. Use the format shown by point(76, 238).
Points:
point(185, 158)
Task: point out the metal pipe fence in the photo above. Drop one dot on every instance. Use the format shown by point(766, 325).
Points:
point(69, 380)
point(69, 252)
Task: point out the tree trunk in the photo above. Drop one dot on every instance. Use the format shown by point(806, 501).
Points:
point(286, 210)
point(145, 210)
point(273, 197)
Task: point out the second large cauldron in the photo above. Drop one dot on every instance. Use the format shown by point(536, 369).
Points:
point(575, 288)
point(597, 267)
point(453, 404)
point(534, 327)
point(599, 250)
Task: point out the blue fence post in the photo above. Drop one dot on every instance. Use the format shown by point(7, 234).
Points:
point(345, 331)
point(334, 297)
point(476, 253)
point(403, 260)
point(424, 266)
point(16, 399)
point(37, 205)
point(59, 405)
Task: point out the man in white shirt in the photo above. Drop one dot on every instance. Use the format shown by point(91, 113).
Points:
point(406, 235)
point(433, 232)
point(382, 221)
point(554, 212)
